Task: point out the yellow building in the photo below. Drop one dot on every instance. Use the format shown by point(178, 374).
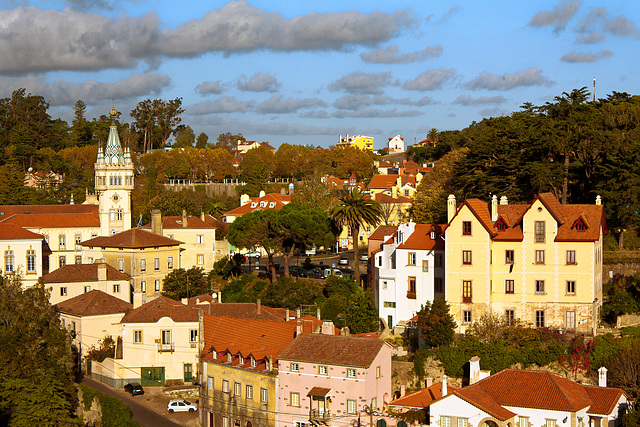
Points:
point(22, 253)
point(364, 143)
point(145, 256)
point(539, 262)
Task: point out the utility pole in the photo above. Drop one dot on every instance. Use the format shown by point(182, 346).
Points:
point(594, 90)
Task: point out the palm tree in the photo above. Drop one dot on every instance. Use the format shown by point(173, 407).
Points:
point(353, 210)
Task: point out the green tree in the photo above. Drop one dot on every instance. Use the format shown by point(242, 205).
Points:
point(354, 210)
point(361, 313)
point(436, 323)
point(202, 141)
point(167, 115)
point(145, 121)
point(229, 141)
point(257, 169)
point(81, 132)
point(181, 283)
point(185, 137)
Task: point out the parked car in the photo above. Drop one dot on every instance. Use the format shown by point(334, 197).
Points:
point(134, 389)
point(181, 406)
point(343, 260)
point(364, 258)
point(331, 272)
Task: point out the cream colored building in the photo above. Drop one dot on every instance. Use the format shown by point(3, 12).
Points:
point(22, 253)
point(145, 256)
point(539, 262)
point(72, 280)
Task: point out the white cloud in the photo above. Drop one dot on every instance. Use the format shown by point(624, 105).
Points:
point(467, 100)
point(578, 57)
point(430, 79)
point(206, 88)
point(558, 18)
point(277, 104)
point(529, 77)
point(391, 55)
point(258, 83)
point(363, 83)
point(225, 104)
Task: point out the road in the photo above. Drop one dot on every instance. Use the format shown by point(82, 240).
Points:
point(324, 261)
point(142, 415)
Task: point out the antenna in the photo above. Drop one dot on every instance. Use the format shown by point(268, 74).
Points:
point(594, 90)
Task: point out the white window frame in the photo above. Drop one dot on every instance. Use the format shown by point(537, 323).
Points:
point(351, 373)
point(116, 288)
point(352, 406)
point(249, 391)
point(156, 264)
point(193, 335)
point(137, 337)
point(170, 263)
point(237, 389)
point(225, 386)
point(294, 399)
point(323, 370)
point(294, 367)
point(264, 395)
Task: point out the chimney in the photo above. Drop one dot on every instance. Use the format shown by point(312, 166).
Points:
point(298, 313)
point(328, 328)
point(474, 370)
point(202, 216)
point(299, 326)
point(270, 362)
point(258, 307)
point(156, 222)
point(220, 296)
point(402, 390)
point(451, 207)
point(318, 314)
point(184, 218)
point(494, 208)
point(286, 315)
point(244, 199)
point(137, 299)
point(602, 377)
point(184, 301)
point(261, 194)
point(598, 200)
point(444, 385)
point(102, 272)
point(504, 200)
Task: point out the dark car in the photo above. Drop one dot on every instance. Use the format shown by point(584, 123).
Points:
point(134, 389)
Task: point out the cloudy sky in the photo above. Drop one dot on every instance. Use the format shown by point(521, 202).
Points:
point(305, 72)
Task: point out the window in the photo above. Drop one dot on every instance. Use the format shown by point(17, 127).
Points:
point(463, 422)
point(524, 421)
point(322, 370)
point(351, 373)
point(351, 406)
point(412, 258)
point(539, 231)
point(374, 403)
point(112, 215)
point(116, 288)
point(550, 423)
point(509, 286)
point(31, 261)
point(466, 228)
point(411, 291)
point(157, 285)
point(384, 284)
point(193, 335)
point(63, 291)
point(508, 256)
point(137, 337)
point(200, 259)
point(249, 392)
point(466, 316)
point(8, 262)
point(210, 383)
point(143, 286)
point(294, 399)
point(378, 372)
point(439, 259)
point(143, 265)
point(78, 239)
point(510, 316)
point(294, 367)
point(236, 389)
point(225, 421)
point(87, 289)
point(571, 258)
point(62, 260)
point(225, 386)
point(445, 421)
point(571, 287)
point(425, 266)
point(156, 264)
point(389, 304)
point(539, 257)
point(119, 214)
point(438, 284)
point(170, 263)
point(62, 242)
point(539, 286)
point(570, 319)
point(120, 265)
point(466, 291)
point(200, 239)
point(78, 259)
point(264, 394)
point(539, 318)
point(466, 257)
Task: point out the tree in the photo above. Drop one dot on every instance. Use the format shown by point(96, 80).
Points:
point(624, 370)
point(167, 115)
point(202, 140)
point(181, 283)
point(354, 210)
point(228, 141)
point(361, 314)
point(312, 191)
point(257, 169)
point(185, 137)
point(436, 323)
point(81, 131)
point(145, 121)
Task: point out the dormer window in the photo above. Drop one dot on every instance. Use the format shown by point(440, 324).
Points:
point(272, 205)
point(501, 225)
point(229, 357)
point(253, 204)
point(263, 204)
point(253, 362)
point(580, 224)
point(240, 360)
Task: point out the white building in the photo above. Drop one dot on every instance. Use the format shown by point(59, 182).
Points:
point(409, 271)
point(396, 145)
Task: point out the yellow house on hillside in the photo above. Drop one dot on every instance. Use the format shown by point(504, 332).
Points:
point(539, 262)
point(364, 143)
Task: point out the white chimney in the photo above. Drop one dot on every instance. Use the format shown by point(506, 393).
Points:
point(494, 208)
point(428, 382)
point(244, 199)
point(474, 370)
point(504, 200)
point(602, 377)
point(184, 218)
point(262, 193)
point(451, 207)
point(598, 200)
point(444, 385)
point(402, 390)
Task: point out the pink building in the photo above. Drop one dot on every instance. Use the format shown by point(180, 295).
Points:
point(332, 380)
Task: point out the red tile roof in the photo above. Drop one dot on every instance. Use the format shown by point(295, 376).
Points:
point(333, 350)
point(248, 337)
point(132, 238)
point(13, 232)
point(8, 210)
point(383, 230)
point(55, 220)
point(604, 399)
point(93, 303)
point(161, 307)
point(421, 238)
point(249, 310)
point(383, 181)
point(279, 200)
point(175, 222)
point(82, 273)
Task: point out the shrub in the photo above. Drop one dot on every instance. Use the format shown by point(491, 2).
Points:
point(115, 413)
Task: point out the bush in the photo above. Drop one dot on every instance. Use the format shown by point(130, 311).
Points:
point(115, 413)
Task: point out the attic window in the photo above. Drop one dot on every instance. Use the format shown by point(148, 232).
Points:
point(253, 204)
point(263, 204)
point(272, 205)
point(229, 357)
point(253, 362)
point(240, 360)
point(500, 225)
point(580, 224)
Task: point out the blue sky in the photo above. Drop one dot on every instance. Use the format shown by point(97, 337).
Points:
point(306, 72)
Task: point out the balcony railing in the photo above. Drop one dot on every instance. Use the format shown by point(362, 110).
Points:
point(411, 295)
point(166, 348)
point(316, 416)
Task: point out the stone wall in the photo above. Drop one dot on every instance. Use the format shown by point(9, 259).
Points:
point(211, 188)
point(628, 320)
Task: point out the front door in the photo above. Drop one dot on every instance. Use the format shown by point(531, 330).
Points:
point(188, 373)
point(166, 340)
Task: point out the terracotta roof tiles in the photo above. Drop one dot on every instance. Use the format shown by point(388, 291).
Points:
point(383, 181)
point(382, 231)
point(132, 238)
point(82, 273)
point(55, 220)
point(161, 307)
point(93, 303)
point(333, 350)
point(248, 310)
point(10, 231)
point(175, 222)
point(604, 399)
point(421, 238)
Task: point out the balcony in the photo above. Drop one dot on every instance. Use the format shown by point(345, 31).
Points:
point(166, 347)
point(411, 295)
point(319, 417)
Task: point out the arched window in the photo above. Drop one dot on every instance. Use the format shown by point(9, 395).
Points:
point(402, 424)
point(381, 423)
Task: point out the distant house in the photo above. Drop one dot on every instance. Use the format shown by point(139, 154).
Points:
point(43, 181)
point(22, 253)
point(263, 202)
point(361, 142)
point(396, 145)
point(244, 146)
point(70, 281)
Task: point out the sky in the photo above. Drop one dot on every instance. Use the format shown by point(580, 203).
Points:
point(305, 72)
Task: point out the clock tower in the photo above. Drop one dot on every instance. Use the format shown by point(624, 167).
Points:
point(114, 183)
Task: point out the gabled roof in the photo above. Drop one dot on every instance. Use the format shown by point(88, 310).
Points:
point(82, 273)
point(553, 206)
point(249, 337)
point(8, 210)
point(604, 399)
point(55, 220)
point(161, 307)
point(248, 310)
point(175, 222)
point(278, 200)
point(421, 239)
point(10, 231)
point(383, 181)
point(480, 210)
point(132, 238)
point(383, 230)
point(333, 350)
point(93, 303)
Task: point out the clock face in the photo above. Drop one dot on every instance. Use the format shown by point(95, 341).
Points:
point(115, 198)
